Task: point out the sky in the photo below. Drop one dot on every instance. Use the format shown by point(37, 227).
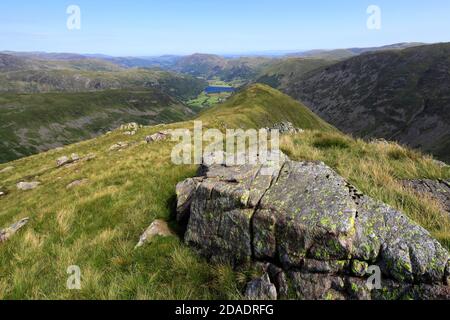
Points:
point(156, 27)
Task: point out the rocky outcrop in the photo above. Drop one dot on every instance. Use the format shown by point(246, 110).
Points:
point(318, 237)
point(67, 160)
point(438, 190)
point(285, 128)
point(159, 136)
point(7, 233)
point(118, 146)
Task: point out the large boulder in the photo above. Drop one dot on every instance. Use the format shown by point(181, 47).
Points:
point(323, 236)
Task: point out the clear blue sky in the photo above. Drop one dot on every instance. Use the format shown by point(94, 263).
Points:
point(151, 27)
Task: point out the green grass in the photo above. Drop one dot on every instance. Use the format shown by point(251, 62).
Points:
point(97, 225)
point(30, 123)
point(259, 106)
point(74, 78)
point(205, 100)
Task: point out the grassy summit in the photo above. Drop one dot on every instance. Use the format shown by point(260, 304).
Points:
point(96, 225)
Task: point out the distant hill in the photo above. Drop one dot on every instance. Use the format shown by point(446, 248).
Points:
point(399, 95)
point(258, 106)
point(32, 123)
point(228, 69)
point(283, 72)
point(340, 54)
point(26, 75)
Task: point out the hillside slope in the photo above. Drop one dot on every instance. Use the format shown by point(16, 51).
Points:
point(398, 95)
point(280, 75)
point(32, 123)
point(30, 76)
point(259, 106)
point(97, 224)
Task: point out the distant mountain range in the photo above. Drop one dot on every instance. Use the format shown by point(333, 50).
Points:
point(401, 95)
point(398, 92)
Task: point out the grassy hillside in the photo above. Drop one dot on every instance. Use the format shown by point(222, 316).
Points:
point(97, 224)
point(281, 74)
point(399, 95)
point(208, 66)
point(73, 80)
point(259, 106)
point(30, 123)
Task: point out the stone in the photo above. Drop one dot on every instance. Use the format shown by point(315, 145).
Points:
point(438, 190)
point(7, 233)
point(261, 289)
point(118, 146)
point(6, 169)
point(130, 127)
point(25, 186)
point(322, 232)
point(2, 192)
point(74, 157)
point(76, 183)
point(440, 164)
point(89, 157)
point(159, 136)
point(63, 161)
point(285, 128)
point(157, 228)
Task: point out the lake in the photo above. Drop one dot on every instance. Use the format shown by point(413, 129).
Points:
point(218, 89)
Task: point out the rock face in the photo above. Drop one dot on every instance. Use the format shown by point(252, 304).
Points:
point(438, 190)
point(261, 289)
point(157, 228)
point(7, 233)
point(319, 237)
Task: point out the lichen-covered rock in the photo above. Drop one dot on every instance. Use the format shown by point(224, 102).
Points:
point(185, 191)
point(261, 289)
point(322, 233)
